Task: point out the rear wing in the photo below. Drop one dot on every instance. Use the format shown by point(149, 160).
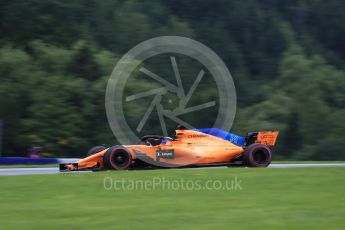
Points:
point(264, 137)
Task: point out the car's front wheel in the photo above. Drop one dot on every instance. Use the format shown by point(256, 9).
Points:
point(95, 150)
point(117, 158)
point(257, 155)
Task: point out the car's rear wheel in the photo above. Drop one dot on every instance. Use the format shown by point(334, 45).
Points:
point(117, 158)
point(95, 150)
point(257, 155)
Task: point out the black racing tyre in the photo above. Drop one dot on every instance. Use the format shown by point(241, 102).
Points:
point(118, 158)
point(95, 150)
point(257, 155)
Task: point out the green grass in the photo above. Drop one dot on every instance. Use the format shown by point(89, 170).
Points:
point(299, 198)
point(305, 162)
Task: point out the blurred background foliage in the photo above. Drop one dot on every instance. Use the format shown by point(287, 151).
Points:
point(286, 58)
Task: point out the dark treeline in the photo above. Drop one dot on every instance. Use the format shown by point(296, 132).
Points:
point(286, 57)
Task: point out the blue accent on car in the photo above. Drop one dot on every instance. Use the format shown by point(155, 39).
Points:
point(233, 138)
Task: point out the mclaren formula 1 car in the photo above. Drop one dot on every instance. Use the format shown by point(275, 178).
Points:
point(198, 147)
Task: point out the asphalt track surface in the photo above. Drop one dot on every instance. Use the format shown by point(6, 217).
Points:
point(33, 171)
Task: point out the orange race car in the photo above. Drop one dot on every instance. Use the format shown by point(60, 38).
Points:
point(197, 147)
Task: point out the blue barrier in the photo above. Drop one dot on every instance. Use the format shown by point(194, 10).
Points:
point(27, 161)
